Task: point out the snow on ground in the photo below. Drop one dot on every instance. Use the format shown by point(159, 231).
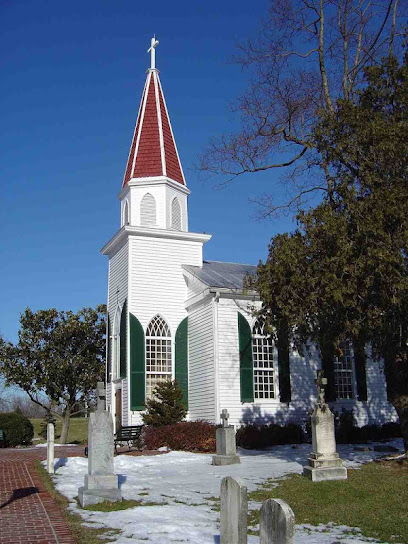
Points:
point(183, 485)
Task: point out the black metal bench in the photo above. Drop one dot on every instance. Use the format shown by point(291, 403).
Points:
point(129, 434)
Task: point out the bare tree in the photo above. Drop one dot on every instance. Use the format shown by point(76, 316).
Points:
point(309, 54)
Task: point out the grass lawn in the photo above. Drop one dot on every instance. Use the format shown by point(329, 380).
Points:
point(77, 434)
point(373, 498)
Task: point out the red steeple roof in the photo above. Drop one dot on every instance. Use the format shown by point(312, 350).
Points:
point(153, 151)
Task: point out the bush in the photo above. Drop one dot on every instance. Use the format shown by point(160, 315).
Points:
point(17, 429)
point(166, 407)
point(347, 431)
point(254, 437)
point(197, 436)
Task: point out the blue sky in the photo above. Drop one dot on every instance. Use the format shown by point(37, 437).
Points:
point(72, 77)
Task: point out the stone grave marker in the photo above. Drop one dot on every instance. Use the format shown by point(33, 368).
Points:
point(226, 445)
point(276, 523)
point(234, 511)
point(50, 447)
point(324, 462)
point(101, 484)
point(100, 396)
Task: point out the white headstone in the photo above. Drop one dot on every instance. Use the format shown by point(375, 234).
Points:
point(101, 484)
point(324, 462)
point(234, 511)
point(50, 448)
point(276, 523)
point(226, 443)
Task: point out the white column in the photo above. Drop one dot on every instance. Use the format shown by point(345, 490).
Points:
point(50, 448)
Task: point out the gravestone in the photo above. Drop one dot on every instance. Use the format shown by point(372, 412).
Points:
point(226, 445)
point(276, 523)
point(50, 447)
point(234, 511)
point(324, 462)
point(100, 396)
point(101, 484)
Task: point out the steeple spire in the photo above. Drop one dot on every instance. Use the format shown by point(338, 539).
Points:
point(152, 51)
point(153, 152)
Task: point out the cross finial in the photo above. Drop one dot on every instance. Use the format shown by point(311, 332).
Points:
point(152, 50)
point(320, 382)
point(224, 417)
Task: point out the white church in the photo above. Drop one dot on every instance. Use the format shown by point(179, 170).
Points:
point(172, 314)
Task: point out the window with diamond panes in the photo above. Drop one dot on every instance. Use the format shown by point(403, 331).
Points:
point(158, 354)
point(344, 373)
point(264, 372)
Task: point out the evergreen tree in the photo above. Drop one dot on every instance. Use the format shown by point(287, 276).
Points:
point(166, 407)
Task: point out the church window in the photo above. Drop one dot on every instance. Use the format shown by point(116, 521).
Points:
point(264, 372)
point(148, 211)
point(158, 354)
point(344, 372)
point(175, 214)
point(126, 214)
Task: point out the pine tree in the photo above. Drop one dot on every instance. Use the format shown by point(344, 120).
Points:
point(166, 407)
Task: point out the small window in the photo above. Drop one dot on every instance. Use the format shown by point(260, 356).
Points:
point(158, 354)
point(148, 211)
point(175, 214)
point(264, 371)
point(344, 372)
point(126, 214)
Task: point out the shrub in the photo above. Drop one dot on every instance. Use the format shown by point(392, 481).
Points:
point(18, 430)
point(347, 431)
point(345, 427)
point(254, 436)
point(166, 407)
point(197, 436)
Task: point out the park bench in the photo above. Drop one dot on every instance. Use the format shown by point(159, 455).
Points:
point(2, 439)
point(129, 434)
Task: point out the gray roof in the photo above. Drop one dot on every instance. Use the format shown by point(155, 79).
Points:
point(222, 275)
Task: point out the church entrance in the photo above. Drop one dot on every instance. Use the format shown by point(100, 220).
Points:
point(118, 409)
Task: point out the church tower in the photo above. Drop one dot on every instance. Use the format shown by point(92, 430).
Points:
point(147, 319)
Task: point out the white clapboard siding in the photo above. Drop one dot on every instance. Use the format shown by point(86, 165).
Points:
point(201, 376)
point(303, 369)
point(118, 279)
point(156, 283)
point(125, 403)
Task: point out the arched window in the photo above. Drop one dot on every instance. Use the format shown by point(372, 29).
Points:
point(126, 214)
point(158, 354)
point(264, 371)
point(175, 214)
point(148, 211)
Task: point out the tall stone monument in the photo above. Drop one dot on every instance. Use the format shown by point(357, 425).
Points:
point(225, 441)
point(101, 484)
point(324, 462)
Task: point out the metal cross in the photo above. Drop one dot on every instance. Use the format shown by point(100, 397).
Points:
point(320, 382)
point(100, 396)
point(224, 417)
point(152, 50)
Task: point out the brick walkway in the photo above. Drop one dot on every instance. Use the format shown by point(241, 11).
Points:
point(28, 513)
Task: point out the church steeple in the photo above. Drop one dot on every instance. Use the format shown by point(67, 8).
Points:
point(153, 152)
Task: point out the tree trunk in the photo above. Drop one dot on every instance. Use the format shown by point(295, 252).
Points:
point(400, 404)
point(65, 425)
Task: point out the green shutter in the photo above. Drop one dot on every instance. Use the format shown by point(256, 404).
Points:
point(360, 368)
point(285, 394)
point(123, 340)
point(182, 359)
point(246, 365)
point(109, 352)
point(137, 364)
